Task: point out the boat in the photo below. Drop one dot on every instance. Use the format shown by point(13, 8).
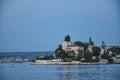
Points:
point(18, 59)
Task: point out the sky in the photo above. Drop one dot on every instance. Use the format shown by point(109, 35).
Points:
point(41, 25)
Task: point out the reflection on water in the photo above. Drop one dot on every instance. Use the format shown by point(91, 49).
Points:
point(25, 71)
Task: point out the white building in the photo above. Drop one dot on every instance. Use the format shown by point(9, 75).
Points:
point(65, 44)
point(69, 48)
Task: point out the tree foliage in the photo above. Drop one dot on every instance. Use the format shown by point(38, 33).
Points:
point(108, 57)
point(78, 57)
point(96, 51)
point(115, 49)
point(59, 47)
point(79, 43)
point(88, 55)
point(104, 56)
point(63, 55)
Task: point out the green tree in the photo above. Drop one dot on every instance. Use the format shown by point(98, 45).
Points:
point(96, 51)
point(51, 57)
point(88, 55)
point(104, 56)
point(79, 43)
point(115, 49)
point(113, 55)
point(59, 47)
point(46, 57)
point(78, 57)
point(58, 51)
point(108, 57)
point(63, 55)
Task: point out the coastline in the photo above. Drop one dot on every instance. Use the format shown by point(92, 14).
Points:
point(64, 63)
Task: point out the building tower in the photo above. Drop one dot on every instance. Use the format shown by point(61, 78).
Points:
point(66, 42)
point(91, 43)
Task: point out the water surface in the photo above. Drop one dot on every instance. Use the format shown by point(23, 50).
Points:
point(26, 71)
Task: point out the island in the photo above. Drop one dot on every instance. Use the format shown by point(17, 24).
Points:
point(79, 52)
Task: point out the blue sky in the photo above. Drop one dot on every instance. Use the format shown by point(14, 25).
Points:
point(37, 25)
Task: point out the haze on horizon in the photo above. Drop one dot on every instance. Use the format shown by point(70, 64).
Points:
point(37, 25)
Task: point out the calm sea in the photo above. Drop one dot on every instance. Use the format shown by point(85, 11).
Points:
point(26, 71)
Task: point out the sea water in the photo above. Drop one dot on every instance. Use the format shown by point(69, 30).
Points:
point(26, 71)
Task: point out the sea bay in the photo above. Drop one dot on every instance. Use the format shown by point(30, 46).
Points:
point(26, 71)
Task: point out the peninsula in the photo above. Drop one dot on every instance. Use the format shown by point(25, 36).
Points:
point(79, 52)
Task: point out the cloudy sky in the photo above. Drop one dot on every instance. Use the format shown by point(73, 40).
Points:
point(37, 25)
